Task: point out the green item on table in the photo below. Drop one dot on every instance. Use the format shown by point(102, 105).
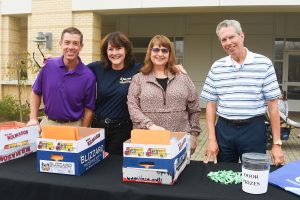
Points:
point(225, 177)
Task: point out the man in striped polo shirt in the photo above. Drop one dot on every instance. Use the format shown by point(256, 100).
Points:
point(239, 88)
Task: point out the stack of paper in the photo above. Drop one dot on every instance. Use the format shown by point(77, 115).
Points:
point(287, 177)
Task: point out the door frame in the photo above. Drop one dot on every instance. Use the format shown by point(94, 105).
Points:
point(293, 104)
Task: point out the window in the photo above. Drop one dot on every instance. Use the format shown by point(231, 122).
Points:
point(292, 44)
point(140, 45)
point(287, 65)
point(278, 62)
point(179, 47)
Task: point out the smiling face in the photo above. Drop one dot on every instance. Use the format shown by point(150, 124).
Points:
point(71, 46)
point(232, 42)
point(116, 56)
point(159, 55)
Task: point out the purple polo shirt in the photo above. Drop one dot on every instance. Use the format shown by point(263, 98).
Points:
point(65, 93)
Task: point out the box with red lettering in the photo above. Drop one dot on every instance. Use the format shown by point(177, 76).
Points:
point(17, 140)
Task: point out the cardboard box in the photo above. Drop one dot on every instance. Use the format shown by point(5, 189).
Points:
point(149, 163)
point(72, 157)
point(17, 140)
point(17, 152)
point(142, 136)
point(11, 137)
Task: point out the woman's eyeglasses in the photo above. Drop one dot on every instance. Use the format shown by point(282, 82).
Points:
point(163, 50)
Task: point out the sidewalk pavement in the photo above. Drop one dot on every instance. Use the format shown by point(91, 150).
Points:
point(291, 147)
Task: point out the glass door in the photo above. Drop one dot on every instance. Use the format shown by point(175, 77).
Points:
point(291, 79)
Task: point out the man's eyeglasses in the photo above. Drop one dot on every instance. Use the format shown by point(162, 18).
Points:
point(163, 50)
point(41, 54)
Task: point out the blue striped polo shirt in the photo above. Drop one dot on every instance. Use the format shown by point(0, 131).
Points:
point(241, 91)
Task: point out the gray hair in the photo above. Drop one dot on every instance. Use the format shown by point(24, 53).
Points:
point(229, 22)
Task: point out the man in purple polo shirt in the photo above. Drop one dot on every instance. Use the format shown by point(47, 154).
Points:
point(66, 85)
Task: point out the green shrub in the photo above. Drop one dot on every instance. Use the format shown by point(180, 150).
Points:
point(9, 109)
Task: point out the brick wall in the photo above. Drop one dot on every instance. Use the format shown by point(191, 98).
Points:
point(18, 34)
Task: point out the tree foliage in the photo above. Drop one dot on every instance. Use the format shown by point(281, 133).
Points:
point(10, 110)
point(18, 67)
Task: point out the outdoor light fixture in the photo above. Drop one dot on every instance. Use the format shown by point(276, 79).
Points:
point(44, 38)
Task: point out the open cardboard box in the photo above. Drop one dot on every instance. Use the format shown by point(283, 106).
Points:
point(155, 163)
point(72, 157)
point(17, 140)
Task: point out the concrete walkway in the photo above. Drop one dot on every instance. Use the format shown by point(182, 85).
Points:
point(291, 147)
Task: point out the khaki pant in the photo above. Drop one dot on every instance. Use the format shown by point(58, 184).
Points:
point(46, 121)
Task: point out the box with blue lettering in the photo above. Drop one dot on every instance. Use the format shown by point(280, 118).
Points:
point(155, 163)
point(71, 156)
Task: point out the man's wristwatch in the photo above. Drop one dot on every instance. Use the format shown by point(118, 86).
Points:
point(277, 142)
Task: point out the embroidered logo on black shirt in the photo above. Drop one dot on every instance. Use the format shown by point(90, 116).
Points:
point(124, 80)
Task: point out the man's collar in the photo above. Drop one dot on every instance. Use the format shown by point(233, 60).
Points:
point(78, 69)
point(249, 59)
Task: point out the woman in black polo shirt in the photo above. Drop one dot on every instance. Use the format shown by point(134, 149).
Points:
point(113, 76)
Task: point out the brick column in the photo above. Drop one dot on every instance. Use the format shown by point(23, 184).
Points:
point(89, 24)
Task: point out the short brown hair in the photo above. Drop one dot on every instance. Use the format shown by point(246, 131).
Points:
point(117, 39)
point(164, 41)
point(72, 30)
